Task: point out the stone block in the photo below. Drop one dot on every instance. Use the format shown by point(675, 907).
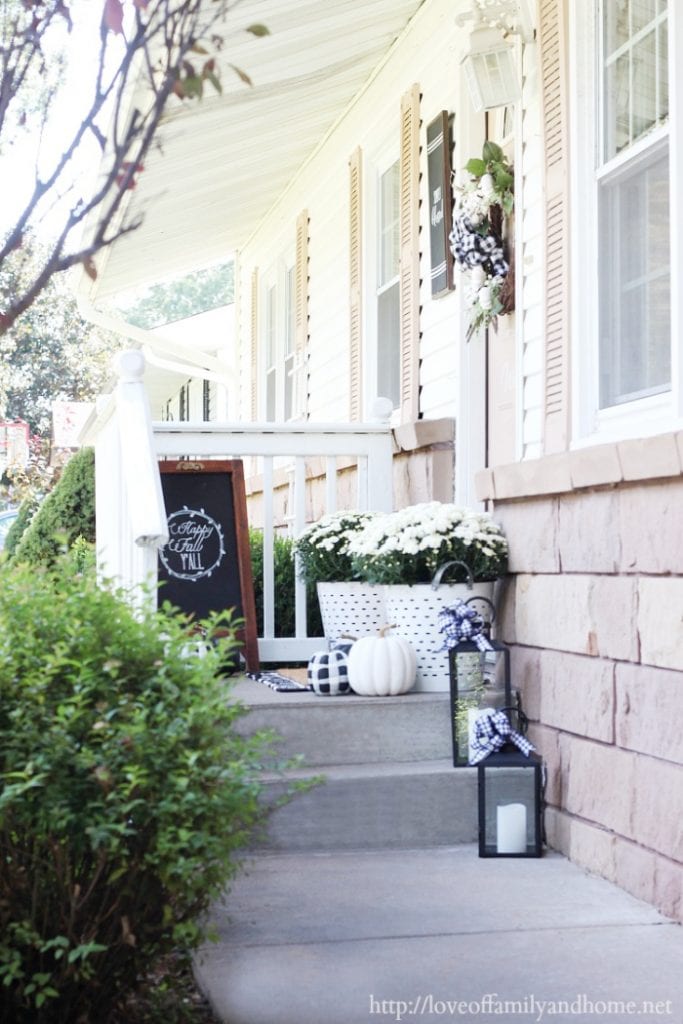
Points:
point(531, 529)
point(668, 888)
point(644, 458)
point(483, 485)
point(648, 711)
point(591, 467)
point(577, 694)
point(548, 475)
point(526, 677)
point(649, 525)
point(634, 869)
point(660, 621)
point(579, 613)
point(599, 783)
point(546, 742)
point(587, 845)
point(588, 538)
point(658, 806)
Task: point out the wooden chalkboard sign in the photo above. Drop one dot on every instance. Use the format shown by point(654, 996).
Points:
point(206, 565)
point(440, 202)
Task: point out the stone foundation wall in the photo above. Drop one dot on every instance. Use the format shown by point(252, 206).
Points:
point(594, 613)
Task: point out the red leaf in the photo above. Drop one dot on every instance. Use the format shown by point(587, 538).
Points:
point(126, 176)
point(113, 16)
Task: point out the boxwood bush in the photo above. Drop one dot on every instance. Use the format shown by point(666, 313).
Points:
point(283, 559)
point(125, 793)
point(66, 513)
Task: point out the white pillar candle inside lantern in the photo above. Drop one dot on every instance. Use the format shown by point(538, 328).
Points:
point(511, 828)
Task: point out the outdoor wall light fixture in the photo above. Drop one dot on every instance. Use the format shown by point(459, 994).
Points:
point(489, 65)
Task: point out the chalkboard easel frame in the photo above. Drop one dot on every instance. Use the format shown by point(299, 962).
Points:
point(247, 633)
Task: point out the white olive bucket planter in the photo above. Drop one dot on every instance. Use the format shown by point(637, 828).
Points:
point(414, 613)
point(353, 608)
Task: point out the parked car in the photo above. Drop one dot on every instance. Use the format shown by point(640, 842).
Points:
point(7, 518)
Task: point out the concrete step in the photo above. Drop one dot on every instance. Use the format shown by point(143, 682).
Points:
point(370, 806)
point(350, 729)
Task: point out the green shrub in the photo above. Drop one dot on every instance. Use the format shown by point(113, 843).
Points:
point(283, 558)
point(66, 513)
point(20, 524)
point(125, 792)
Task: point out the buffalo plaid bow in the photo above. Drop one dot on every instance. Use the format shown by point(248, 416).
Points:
point(460, 622)
point(492, 730)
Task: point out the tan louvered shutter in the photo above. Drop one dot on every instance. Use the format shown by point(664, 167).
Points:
point(355, 285)
point(409, 268)
point(553, 40)
point(254, 345)
point(301, 294)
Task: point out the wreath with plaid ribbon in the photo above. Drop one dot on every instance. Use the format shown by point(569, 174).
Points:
point(477, 239)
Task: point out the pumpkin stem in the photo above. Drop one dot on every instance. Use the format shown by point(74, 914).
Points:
point(347, 636)
point(383, 630)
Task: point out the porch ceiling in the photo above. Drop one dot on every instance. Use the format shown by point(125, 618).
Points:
point(225, 160)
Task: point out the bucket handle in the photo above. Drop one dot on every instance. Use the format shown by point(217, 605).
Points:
point(438, 575)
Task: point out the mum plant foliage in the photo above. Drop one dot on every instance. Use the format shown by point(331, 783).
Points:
point(125, 792)
point(409, 546)
point(323, 549)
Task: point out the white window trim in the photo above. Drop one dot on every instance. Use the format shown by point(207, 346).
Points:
point(378, 160)
point(658, 413)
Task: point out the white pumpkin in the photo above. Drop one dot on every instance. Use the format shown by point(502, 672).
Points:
point(382, 665)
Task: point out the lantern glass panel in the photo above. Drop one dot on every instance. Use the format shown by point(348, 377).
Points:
point(479, 680)
point(509, 806)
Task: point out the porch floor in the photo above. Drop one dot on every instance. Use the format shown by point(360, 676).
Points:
point(363, 936)
point(375, 914)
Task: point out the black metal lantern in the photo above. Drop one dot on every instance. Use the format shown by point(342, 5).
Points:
point(511, 804)
point(479, 677)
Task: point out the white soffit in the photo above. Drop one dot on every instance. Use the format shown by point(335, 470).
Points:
point(225, 160)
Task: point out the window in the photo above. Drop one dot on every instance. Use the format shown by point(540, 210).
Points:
point(290, 333)
point(624, 146)
point(633, 202)
point(388, 293)
point(271, 351)
point(279, 342)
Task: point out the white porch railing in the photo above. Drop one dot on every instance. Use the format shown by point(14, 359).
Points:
point(131, 521)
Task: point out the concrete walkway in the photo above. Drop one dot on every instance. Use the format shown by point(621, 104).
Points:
point(437, 935)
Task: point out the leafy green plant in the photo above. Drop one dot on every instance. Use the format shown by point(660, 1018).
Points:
point(494, 162)
point(66, 513)
point(17, 529)
point(284, 569)
point(125, 792)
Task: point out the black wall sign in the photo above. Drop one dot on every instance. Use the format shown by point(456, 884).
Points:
point(206, 566)
point(440, 203)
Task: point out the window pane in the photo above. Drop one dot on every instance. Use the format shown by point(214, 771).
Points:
point(289, 387)
point(388, 344)
point(270, 395)
point(642, 13)
point(616, 24)
point(635, 75)
point(289, 312)
point(635, 325)
point(389, 249)
point(270, 328)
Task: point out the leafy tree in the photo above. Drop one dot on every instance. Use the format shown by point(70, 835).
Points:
point(194, 293)
point(146, 51)
point(50, 353)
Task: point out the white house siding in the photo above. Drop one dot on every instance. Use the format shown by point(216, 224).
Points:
point(428, 54)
